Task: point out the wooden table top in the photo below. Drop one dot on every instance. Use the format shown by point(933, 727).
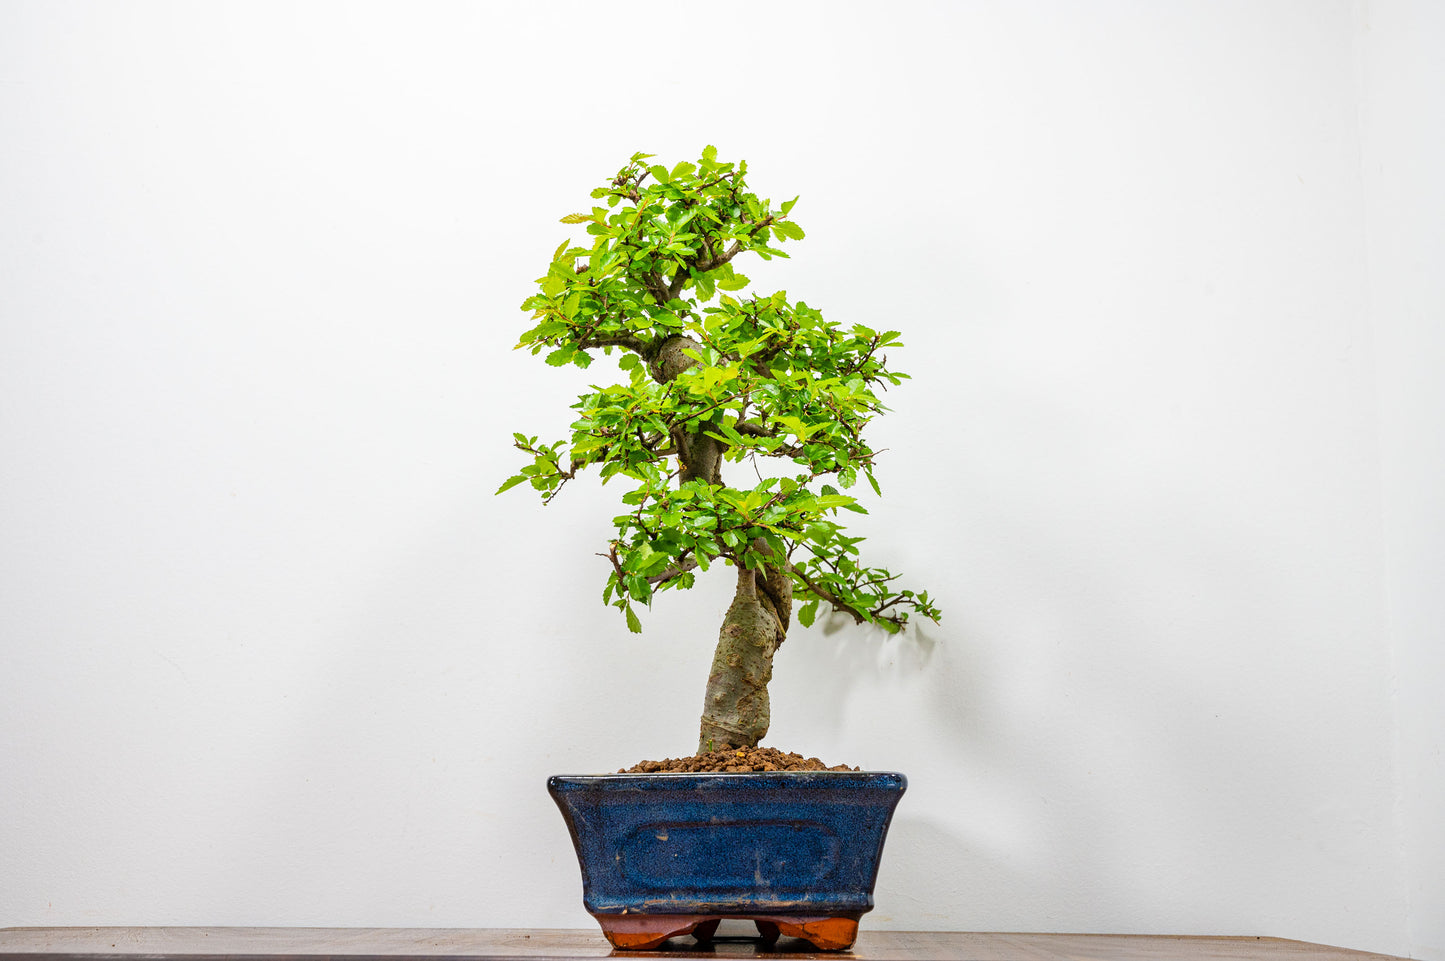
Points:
point(521, 944)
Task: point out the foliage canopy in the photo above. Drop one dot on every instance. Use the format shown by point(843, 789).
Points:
point(711, 375)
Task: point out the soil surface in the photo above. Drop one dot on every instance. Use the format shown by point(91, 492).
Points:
point(743, 760)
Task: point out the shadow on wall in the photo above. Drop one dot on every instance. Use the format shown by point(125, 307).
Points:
point(1137, 708)
point(1125, 774)
point(848, 658)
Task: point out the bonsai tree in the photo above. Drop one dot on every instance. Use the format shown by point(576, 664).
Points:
point(711, 377)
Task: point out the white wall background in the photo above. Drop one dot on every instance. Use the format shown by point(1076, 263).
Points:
point(1170, 276)
point(1403, 63)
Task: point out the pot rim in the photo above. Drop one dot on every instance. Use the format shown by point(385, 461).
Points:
point(734, 774)
point(734, 780)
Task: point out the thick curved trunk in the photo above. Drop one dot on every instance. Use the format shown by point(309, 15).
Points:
point(735, 710)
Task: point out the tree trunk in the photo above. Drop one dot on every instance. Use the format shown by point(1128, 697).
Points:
point(735, 706)
point(735, 710)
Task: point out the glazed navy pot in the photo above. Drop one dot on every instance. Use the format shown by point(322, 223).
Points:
point(664, 855)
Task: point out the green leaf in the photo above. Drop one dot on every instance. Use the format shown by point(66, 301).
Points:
point(789, 229)
point(560, 356)
point(788, 205)
point(633, 624)
point(705, 288)
point(807, 612)
point(577, 219)
point(659, 173)
point(709, 153)
point(512, 482)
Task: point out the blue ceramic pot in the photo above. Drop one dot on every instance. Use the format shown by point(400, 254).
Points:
point(667, 854)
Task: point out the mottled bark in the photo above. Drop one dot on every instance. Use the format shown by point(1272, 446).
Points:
point(670, 358)
point(735, 710)
point(699, 455)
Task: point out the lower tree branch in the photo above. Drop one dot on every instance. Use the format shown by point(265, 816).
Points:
point(674, 570)
point(838, 603)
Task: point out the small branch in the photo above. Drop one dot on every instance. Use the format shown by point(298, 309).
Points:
point(707, 248)
point(675, 289)
point(855, 368)
point(715, 181)
point(611, 555)
point(674, 570)
point(896, 598)
point(558, 489)
point(651, 445)
point(725, 402)
point(654, 284)
point(550, 458)
point(635, 344)
point(838, 603)
point(714, 262)
point(876, 614)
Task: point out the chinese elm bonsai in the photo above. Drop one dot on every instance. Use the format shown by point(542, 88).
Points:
point(712, 377)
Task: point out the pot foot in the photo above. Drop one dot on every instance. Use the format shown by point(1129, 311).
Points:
point(644, 932)
point(825, 934)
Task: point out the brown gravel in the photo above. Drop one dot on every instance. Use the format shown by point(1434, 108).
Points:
point(743, 760)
